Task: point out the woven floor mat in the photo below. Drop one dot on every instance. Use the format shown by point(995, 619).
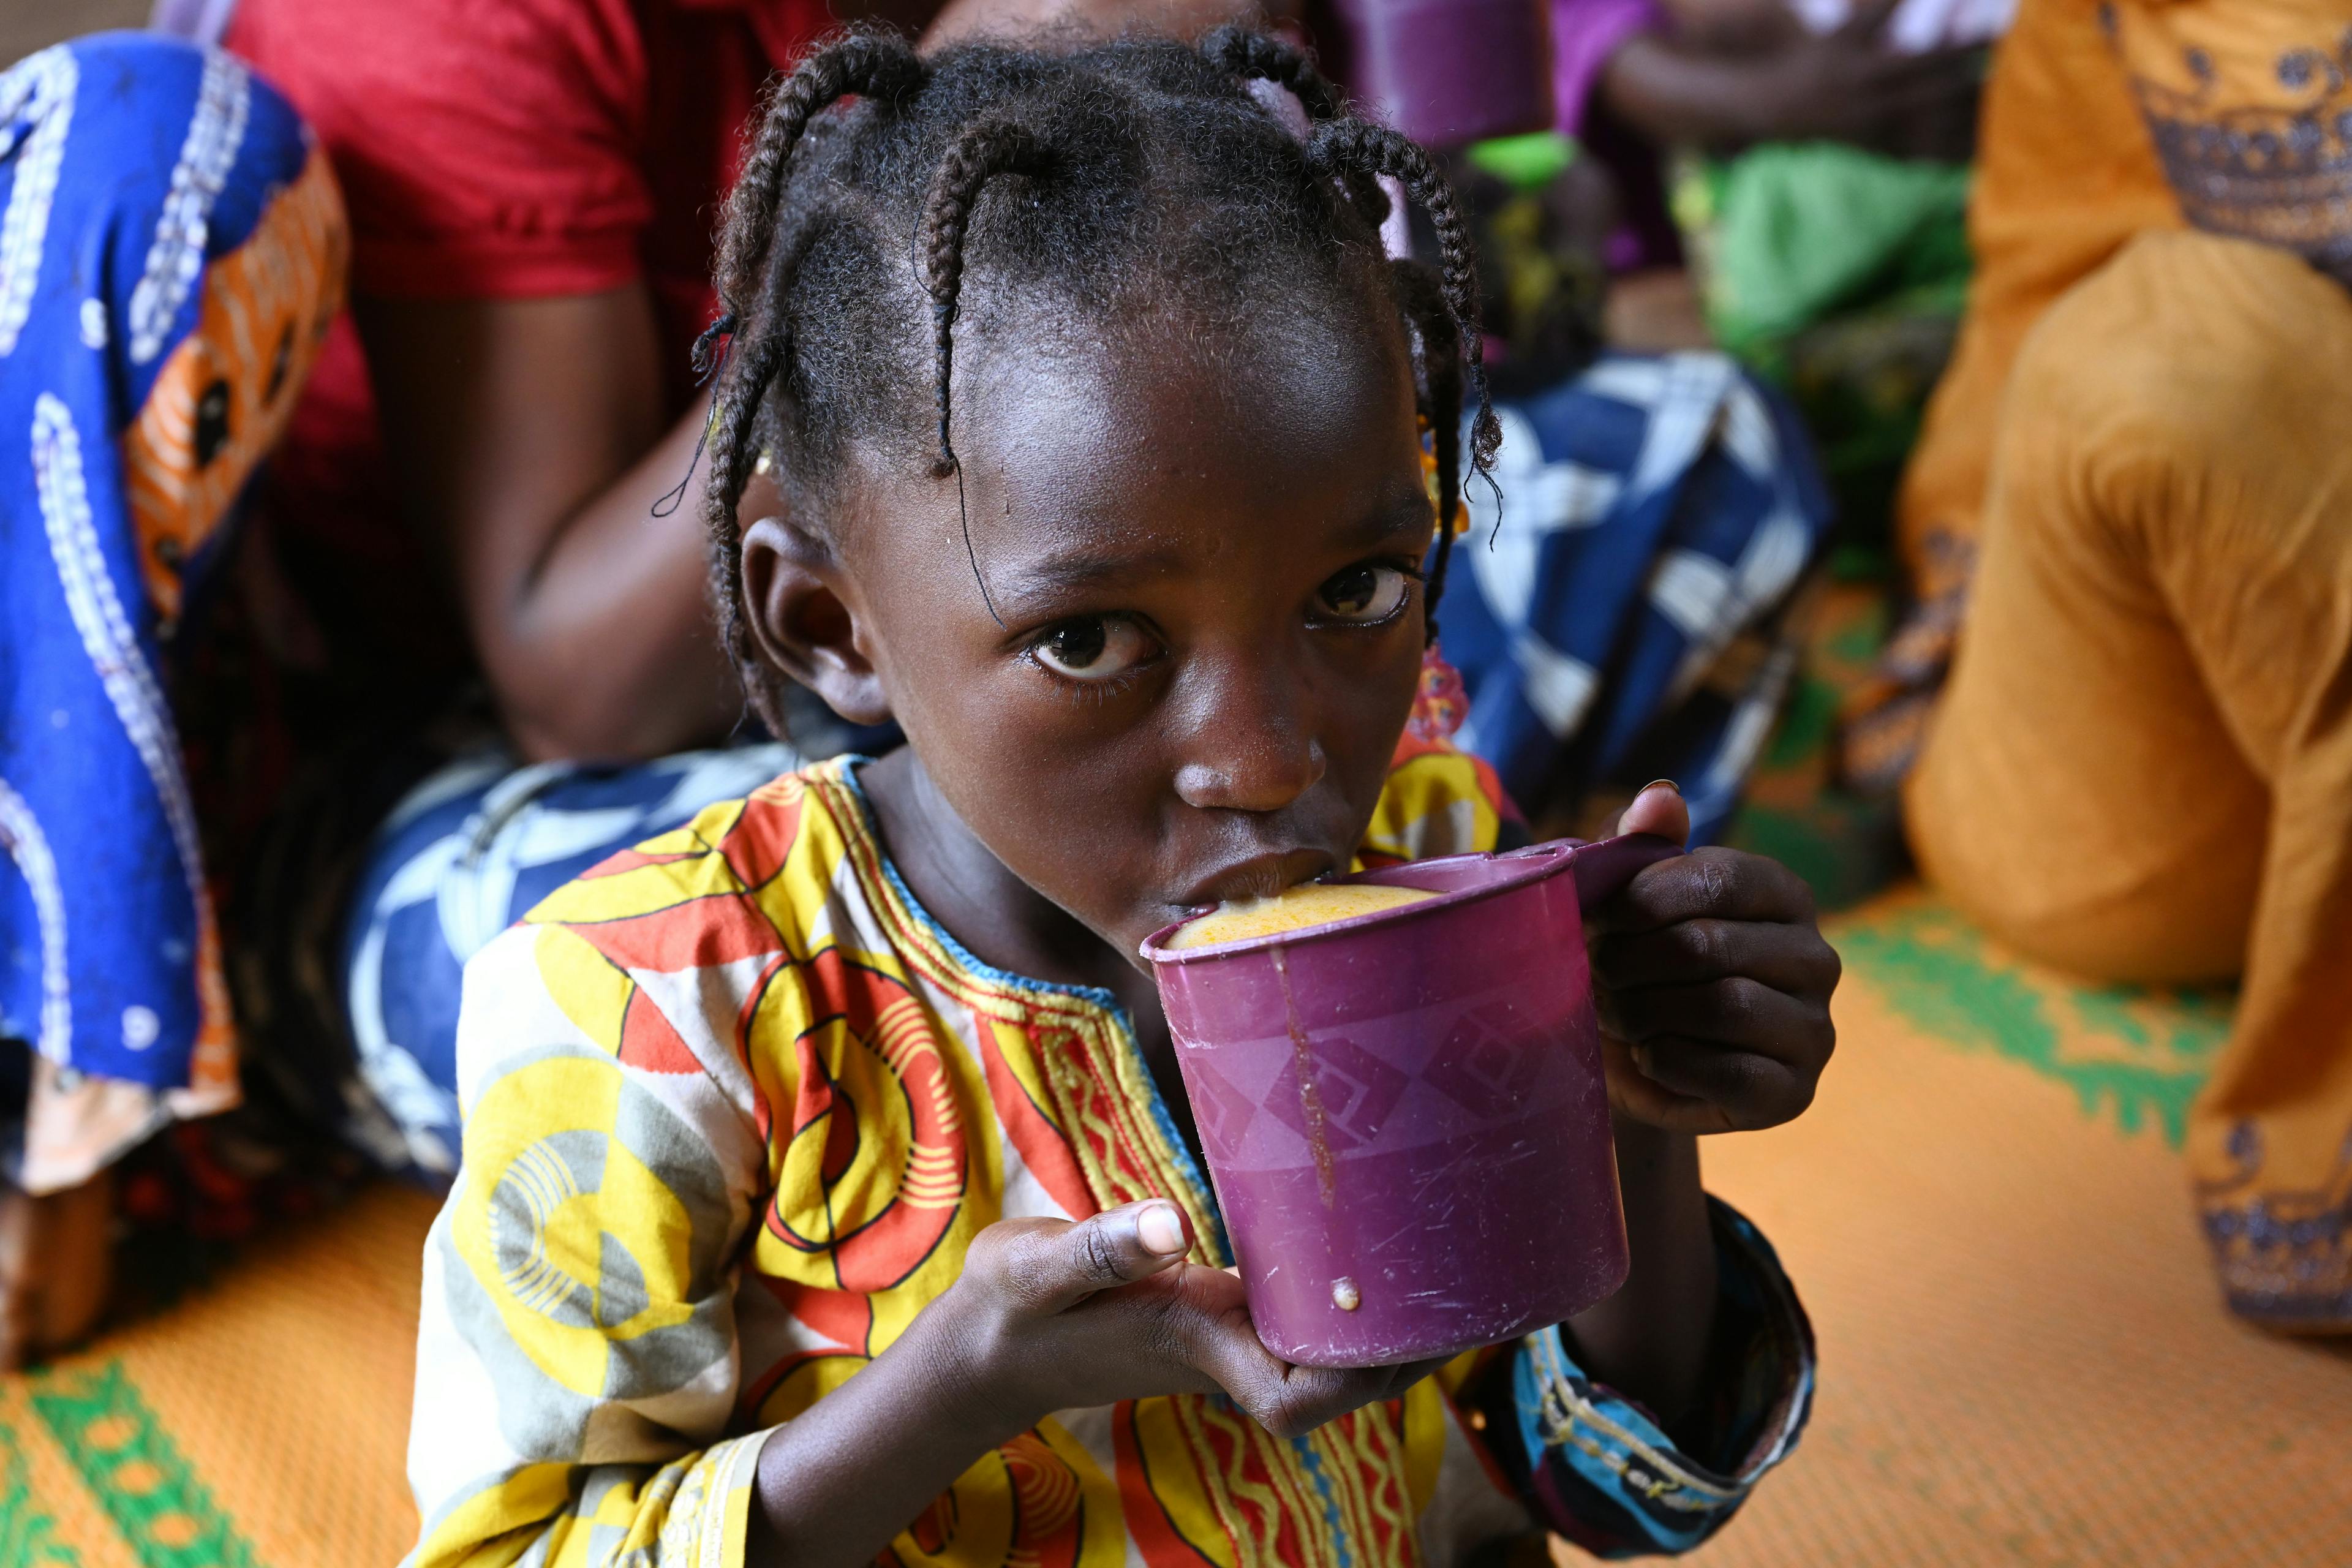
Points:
point(264, 1422)
point(2022, 1357)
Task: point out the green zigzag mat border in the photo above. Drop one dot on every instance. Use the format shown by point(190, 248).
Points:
point(83, 1411)
point(29, 1536)
point(1932, 967)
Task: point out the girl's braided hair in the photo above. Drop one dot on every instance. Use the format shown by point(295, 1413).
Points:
point(1074, 184)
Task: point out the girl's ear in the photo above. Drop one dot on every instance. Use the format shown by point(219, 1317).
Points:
point(799, 612)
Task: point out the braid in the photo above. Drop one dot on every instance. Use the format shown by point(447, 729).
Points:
point(1358, 145)
point(747, 375)
point(733, 416)
point(873, 64)
point(1151, 178)
point(980, 152)
point(1257, 57)
point(989, 148)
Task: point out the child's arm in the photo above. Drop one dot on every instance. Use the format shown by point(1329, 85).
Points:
point(1048, 1315)
point(1714, 987)
point(1641, 1425)
point(580, 1361)
point(1651, 1338)
point(1793, 85)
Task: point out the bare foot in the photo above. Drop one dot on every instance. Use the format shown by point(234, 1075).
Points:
point(56, 1262)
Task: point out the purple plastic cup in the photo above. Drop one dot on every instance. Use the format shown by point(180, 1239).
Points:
point(1404, 1113)
point(1448, 72)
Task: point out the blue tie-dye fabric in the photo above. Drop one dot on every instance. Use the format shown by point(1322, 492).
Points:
point(1654, 508)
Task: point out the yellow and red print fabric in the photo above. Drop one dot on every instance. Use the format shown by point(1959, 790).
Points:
point(735, 1108)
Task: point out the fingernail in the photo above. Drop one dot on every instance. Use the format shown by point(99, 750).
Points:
point(1160, 1229)
point(1657, 784)
point(1641, 1055)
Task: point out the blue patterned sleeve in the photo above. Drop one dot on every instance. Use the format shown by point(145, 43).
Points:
point(1598, 1469)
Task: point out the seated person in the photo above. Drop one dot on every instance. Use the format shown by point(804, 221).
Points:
point(481, 492)
point(2133, 514)
point(460, 491)
point(1620, 619)
point(1818, 199)
point(826, 1182)
point(174, 256)
point(1633, 77)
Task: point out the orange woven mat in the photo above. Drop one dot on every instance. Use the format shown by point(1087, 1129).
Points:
point(2022, 1358)
point(265, 1422)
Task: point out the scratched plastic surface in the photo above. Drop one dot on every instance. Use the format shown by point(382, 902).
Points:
point(1405, 1114)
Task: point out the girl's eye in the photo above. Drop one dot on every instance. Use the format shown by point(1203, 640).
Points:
point(1099, 647)
point(1363, 595)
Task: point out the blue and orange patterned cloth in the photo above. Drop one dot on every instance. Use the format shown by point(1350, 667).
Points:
point(171, 254)
point(735, 1106)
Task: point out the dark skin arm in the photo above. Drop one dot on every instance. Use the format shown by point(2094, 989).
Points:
point(529, 437)
point(1048, 1315)
point(1784, 83)
point(1713, 987)
point(1649, 1340)
point(529, 440)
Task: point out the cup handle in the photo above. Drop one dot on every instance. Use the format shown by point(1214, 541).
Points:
point(1604, 869)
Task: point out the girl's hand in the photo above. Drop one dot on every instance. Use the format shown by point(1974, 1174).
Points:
point(1050, 1315)
point(1713, 984)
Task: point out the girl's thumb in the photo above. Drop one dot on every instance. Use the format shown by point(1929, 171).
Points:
point(1120, 1247)
point(1660, 809)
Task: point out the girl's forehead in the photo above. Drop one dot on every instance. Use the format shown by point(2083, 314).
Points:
point(1167, 395)
point(1139, 452)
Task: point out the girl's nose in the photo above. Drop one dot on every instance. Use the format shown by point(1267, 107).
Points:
point(1251, 751)
point(1267, 784)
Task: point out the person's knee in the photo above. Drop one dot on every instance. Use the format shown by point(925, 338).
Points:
point(2185, 349)
point(2149, 912)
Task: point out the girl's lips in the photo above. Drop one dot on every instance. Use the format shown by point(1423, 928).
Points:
point(1259, 877)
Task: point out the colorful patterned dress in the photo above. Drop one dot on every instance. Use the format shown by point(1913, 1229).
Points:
point(735, 1106)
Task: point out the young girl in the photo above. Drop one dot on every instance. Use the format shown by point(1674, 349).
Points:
point(827, 1189)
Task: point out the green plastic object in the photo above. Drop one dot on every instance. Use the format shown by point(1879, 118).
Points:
point(1525, 162)
point(1799, 231)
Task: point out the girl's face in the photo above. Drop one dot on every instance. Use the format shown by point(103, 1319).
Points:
point(1205, 549)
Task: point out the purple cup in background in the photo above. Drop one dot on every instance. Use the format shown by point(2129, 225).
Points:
point(1449, 73)
point(1404, 1113)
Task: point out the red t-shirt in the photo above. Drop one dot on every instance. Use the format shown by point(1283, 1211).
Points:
point(495, 150)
